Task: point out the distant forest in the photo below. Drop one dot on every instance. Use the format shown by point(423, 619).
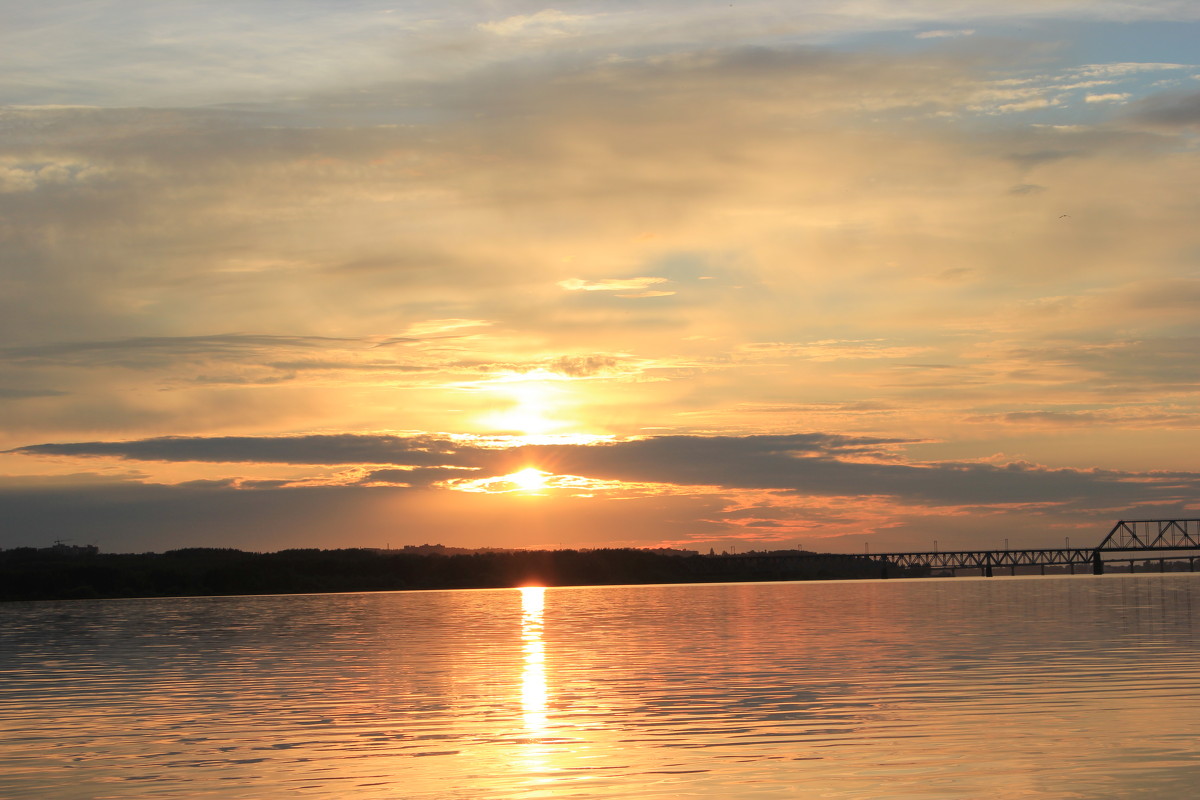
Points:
point(61, 573)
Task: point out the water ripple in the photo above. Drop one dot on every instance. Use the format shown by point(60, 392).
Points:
point(1009, 688)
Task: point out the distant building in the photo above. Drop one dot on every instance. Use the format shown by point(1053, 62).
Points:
point(63, 549)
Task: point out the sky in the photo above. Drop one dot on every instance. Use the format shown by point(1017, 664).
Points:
point(749, 275)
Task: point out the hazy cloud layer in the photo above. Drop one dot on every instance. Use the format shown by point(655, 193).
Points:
point(955, 238)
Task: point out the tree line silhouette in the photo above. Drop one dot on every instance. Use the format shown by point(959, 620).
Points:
point(58, 573)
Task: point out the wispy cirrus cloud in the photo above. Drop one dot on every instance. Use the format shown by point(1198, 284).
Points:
point(946, 34)
point(610, 284)
point(155, 350)
point(547, 22)
point(1150, 417)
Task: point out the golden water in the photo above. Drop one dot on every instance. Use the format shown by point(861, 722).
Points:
point(961, 688)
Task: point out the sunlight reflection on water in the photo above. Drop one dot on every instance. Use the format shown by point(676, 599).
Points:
point(533, 681)
point(962, 688)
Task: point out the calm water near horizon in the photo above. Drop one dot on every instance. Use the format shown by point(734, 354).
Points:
point(1084, 687)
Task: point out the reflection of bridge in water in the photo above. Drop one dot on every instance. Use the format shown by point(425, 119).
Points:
point(1153, 539)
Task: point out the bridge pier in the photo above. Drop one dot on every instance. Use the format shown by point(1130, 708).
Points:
point(1097, 564)
point(987, 571)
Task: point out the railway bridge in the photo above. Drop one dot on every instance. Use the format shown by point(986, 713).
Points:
point(1130, 540)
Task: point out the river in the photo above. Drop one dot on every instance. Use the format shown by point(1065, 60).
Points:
point(1055, 687)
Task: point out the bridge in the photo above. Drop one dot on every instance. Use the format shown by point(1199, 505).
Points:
point(1152, 539)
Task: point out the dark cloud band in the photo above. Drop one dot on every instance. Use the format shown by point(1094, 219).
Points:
point(813, 464)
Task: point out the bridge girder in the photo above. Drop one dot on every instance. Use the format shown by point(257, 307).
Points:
point(1170, 538)
point(1152, 534)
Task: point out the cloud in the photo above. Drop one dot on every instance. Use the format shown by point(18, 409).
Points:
point(547, 22)
point(9, 393)
point(1161, 364)
point(370, 250)
point(434, 327)
point(586, 366)
point(1039, 157)
point(1170, 110)
point(266, 55)
point(415, 476)
point(765, 462)
point(1158, 296)
point(20, 175)
point(609, 284)
point(1123, 68)
point(820, 465)
point(946, 34)
point(312, 449)
point(834, 349)
point(148, 351)
point(1110, 418)
point(1027, 105)
point(1111, 97)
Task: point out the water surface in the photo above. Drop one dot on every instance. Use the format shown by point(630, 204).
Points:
point(1079, 687)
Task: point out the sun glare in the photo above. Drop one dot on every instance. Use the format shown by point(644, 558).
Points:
point(530, 407)
point(529, 479)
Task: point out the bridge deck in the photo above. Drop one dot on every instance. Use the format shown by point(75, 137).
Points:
point(1169, 538)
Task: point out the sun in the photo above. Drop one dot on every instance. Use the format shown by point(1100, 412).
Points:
point(529, 479)
point(529, 406)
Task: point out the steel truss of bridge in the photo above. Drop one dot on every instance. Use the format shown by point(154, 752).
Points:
point(1160, 539)
point(1152, 534)
point(987, 560)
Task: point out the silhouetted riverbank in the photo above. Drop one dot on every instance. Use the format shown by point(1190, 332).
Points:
point(68, 573)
